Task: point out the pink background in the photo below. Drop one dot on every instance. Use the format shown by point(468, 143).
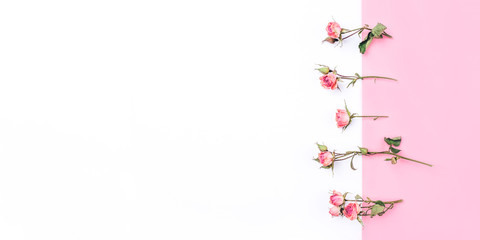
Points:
point(434, 107)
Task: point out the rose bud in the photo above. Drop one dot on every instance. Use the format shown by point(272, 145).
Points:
point(336, 198)
point(342, 118)
point(334, 211)
point(351, 211)
point(333, 30)
point(324, 70)
point(325, 158)
point(329, 81)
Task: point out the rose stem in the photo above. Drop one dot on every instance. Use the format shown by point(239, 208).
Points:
point(394, 154)
point(350, 35)
point(378, 77)
point(361, 78)
point(345, 156)
point(349, 155)
point(370, 116)
point(366, 201)
point(357, 29)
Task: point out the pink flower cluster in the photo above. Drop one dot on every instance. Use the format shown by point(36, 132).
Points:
point(351, 208)
point(340, 208)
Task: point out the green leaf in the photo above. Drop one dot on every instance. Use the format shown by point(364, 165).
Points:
point(358, 197)
point(360, 32)
point(378, 30)
point(352, 83)
point(351, 165)
point(346, 109)
point(330, 40)
point(360, 220)
point(394, 150)
point(333, 166)
point(322, 148)
point(393, 141)
point(381, 203)
point(376, 209)
point(365, 43)
point(327, 167)
point(364, 151)
point(397, 141)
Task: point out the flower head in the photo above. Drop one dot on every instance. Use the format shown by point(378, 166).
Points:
point(351, 211)
point(334, 211)
point(325, 158)
point(342, 118)
point(329, 81)
point(336, 198)
point(333, 30)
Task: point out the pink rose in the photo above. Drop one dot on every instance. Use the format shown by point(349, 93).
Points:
point(325, 158)
point(336, 198)
point(329, 81)
point(342, 118)
point(334, 30)
point(351, 211)
point(334, 211)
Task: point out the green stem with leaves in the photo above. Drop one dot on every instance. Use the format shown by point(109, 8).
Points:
point(355, 31)
point(351, 154)
point(393, 151)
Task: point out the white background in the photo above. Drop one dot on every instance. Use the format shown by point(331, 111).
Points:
point(172, 119)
